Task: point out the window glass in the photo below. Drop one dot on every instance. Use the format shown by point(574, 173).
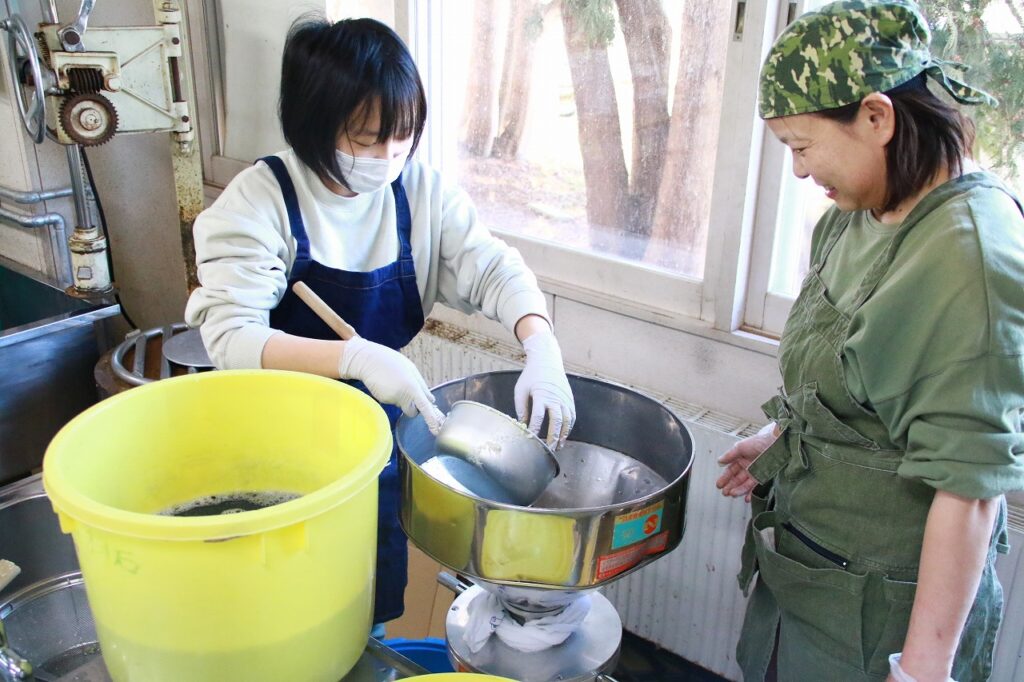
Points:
point(801, 205)
point(989, 36)
point(571, 128)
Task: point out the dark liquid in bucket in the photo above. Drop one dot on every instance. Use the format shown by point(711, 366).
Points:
point(229, 503)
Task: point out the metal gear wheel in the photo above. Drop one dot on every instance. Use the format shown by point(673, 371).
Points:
point(88, 118)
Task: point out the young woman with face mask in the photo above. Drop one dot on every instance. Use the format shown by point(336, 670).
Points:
point(376, 234)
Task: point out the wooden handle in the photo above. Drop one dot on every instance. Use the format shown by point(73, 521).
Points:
point(324, 311)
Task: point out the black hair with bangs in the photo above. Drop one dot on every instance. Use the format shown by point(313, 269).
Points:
point(930, 136)
point(333, 74)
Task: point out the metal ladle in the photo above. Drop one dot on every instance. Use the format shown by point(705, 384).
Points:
point(503, 448)
point(507, 461)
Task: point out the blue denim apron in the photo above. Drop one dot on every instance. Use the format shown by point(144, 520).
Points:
point(384, 306)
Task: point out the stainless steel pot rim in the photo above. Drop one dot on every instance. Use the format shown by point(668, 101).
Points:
point(557, 511)
point(22, 491)
point(640, 501)
point(39, 589)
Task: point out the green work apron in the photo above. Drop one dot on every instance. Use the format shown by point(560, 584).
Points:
point(836, 534)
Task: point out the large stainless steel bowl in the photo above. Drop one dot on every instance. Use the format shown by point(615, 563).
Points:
point(30, 536)
point(617, 504)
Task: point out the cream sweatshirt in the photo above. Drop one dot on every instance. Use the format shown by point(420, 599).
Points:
point(245, 250)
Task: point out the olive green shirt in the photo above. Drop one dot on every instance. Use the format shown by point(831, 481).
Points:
point(937, 349)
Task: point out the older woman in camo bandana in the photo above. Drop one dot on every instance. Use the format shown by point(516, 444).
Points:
point(878, 487)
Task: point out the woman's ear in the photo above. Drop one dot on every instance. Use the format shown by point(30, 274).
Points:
point(879, 117)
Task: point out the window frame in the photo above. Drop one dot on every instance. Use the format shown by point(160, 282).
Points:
point(765, 310)
point(623, 286)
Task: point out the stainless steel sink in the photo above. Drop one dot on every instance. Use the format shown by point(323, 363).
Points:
point(30, 536)
point(44, 609)
point(49, 345)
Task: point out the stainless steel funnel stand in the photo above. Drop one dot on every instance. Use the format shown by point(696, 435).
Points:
point(589, 654)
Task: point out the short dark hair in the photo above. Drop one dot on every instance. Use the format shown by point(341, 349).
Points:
point(331, 73)
point(930, 136)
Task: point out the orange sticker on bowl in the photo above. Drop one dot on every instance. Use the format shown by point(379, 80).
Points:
point(609, 565)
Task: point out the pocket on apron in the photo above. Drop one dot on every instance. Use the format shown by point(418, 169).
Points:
point(759, 503)
point(820, 605)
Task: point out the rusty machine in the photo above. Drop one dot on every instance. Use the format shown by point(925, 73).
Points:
point(80, 86)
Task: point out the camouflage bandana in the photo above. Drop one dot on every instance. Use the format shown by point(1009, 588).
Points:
point(843, 51)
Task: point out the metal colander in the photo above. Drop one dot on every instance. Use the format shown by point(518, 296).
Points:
point(50, 624)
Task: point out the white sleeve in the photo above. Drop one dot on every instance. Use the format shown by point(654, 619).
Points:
point(242, 258)
point(478, 271)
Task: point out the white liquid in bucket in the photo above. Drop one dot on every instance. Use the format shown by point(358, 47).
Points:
point(229, 503)
point(129, 659)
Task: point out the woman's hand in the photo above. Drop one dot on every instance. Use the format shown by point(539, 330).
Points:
point(390, 377)
point(736, 480)
point(544, 385)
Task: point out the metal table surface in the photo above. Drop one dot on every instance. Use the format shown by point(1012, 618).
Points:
point(377, 664)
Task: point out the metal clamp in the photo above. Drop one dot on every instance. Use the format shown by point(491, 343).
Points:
point(71, 35)
point(12, 666)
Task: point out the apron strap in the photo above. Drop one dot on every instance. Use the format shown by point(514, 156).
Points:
point(413, 306)
point(295, 224)
point(403, 218)
point(826, 249)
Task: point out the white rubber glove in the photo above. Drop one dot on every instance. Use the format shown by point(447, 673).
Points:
point(897, 673)
point(544, 383)
point(391, 378)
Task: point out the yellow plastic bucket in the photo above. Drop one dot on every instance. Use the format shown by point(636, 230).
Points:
point(283, 592)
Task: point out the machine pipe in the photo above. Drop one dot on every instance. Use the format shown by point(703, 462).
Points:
point(49, 8)
point(83, 219)
point(58, 238)
point(448, 580)
point(33, 197)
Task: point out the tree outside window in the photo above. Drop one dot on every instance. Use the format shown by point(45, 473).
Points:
point(594, 123)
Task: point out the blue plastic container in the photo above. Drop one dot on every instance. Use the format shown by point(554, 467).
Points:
point(430, 653)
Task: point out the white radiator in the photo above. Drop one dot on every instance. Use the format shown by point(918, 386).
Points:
point(688, 602)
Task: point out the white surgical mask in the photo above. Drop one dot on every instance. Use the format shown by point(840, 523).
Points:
point(365, 175)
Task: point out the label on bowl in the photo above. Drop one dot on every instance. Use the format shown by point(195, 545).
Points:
point(640, 533)
point(635, 526)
